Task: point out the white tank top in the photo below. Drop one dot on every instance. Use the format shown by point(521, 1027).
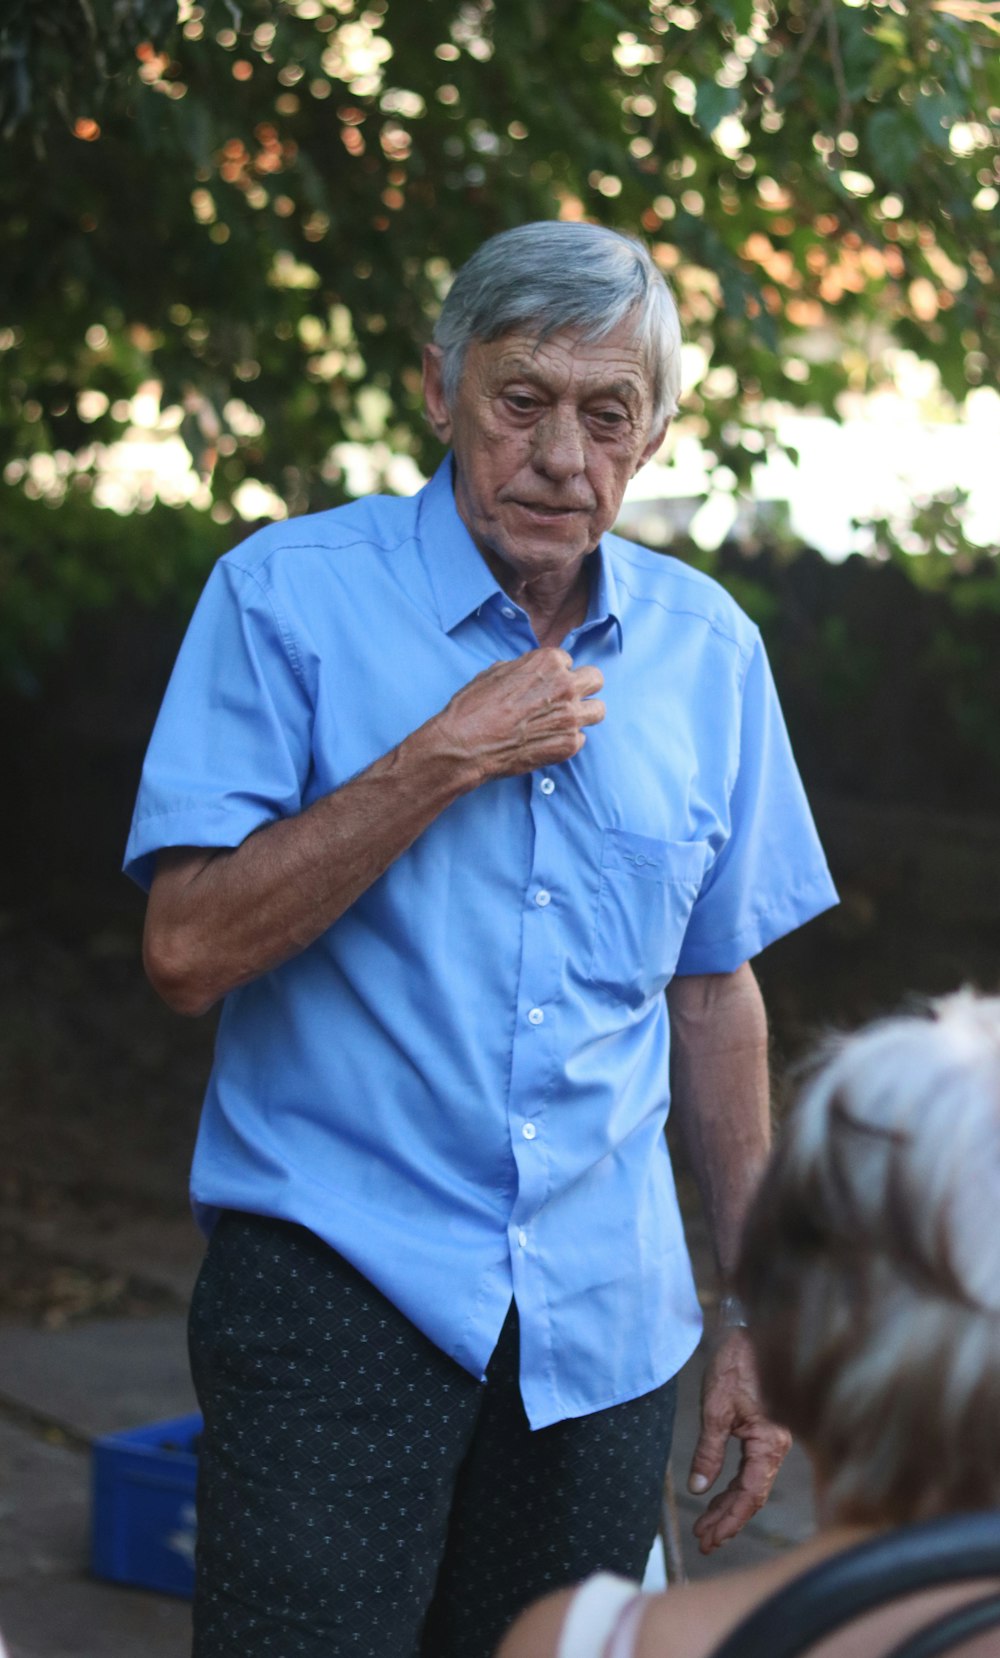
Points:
point(603, 1619)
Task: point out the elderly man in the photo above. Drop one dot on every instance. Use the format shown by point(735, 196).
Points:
point(445, 793)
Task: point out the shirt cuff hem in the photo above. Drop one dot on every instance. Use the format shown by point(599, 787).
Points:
point(220, 828)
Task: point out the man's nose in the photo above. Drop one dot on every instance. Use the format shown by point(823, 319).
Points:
point(558, 446)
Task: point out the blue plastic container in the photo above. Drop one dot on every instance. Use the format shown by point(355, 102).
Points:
point(143, 1523)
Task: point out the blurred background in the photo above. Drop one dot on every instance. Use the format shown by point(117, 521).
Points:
point(225, 232)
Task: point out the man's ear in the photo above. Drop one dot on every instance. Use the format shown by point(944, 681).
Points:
point(652, 446)
point(435, 403)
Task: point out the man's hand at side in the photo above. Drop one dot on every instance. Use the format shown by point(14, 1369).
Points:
point(731, 1406)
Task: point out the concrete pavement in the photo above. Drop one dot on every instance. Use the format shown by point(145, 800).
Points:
point(58, 1390)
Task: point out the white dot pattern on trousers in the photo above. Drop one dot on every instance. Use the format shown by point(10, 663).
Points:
point(293, 1441)
point(334, 1446)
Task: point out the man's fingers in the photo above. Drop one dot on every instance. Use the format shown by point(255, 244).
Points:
point(592, 711)
point(764, 1449)
point(586, 680)
point(709, 1455)
point(725, 1516)
point(729, 1510)
point(532, 710)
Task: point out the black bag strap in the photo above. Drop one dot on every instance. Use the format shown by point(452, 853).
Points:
point(955, 1549)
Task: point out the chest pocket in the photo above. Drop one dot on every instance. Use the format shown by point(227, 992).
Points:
point(648, 888)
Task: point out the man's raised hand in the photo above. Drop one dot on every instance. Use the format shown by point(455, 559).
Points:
point(517, 716)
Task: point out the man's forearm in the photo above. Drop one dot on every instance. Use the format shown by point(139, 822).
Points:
point(217, 919)
point(720, 1091)
point(720, 1084)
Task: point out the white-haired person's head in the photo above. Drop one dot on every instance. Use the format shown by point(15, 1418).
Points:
point(552, 276)
point(871, 1266)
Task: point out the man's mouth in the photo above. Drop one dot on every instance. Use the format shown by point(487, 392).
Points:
point(541, 509)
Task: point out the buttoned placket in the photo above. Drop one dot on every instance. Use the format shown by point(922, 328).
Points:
point(535, 1059)
point(536, 1040)
point(535, 1055)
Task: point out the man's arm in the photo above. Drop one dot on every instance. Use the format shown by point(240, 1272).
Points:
point(217, 919)
point(719, 1085)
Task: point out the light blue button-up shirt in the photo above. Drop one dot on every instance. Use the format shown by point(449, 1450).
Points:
point(462, 1084)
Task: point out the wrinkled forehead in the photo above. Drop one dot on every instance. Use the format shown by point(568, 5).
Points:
point(571, 355)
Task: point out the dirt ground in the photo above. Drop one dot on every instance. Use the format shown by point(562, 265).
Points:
point(102, 1087)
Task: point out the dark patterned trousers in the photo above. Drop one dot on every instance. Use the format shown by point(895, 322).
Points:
point(360, 1493)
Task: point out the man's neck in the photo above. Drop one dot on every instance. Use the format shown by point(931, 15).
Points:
point(556, 602)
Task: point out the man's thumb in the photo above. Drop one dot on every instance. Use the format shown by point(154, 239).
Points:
point(706, 1464)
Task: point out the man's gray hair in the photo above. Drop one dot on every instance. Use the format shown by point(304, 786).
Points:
point(549, 276)
point(871, 1266)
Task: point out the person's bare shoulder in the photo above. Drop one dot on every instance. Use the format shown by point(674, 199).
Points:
point(690, 1622)
point(683, 1623)
point(535, 1634)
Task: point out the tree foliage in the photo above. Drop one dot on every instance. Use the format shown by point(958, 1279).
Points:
point(258, 206)
point(55, 58)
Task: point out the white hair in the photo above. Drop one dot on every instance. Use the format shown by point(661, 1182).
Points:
point(551, 276)
point(871, 1264)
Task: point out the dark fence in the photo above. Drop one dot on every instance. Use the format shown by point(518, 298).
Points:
point(892, 695)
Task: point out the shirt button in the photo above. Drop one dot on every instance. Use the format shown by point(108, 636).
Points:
point(535, 1016)
point(547, 786)
point(522, 1238)
point(529, 1131)
point(542, 898)
point(508, 612)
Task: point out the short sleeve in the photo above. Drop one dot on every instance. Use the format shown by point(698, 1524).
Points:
point(770, 876)
point(231, 747)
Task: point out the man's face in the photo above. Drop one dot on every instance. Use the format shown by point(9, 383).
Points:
point(546, 435)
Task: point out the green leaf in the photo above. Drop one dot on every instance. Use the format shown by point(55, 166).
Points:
point(611, 14)
point(713, 102)
point(936, 113)
point(739, 13)
point(891, 34)
point(894, 144)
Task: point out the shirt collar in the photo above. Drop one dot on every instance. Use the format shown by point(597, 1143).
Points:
point(461, 580)
point(605, 605)
point(459, 576)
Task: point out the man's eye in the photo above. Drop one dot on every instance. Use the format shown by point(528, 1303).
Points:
point(520, 402)
point(611, 419)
